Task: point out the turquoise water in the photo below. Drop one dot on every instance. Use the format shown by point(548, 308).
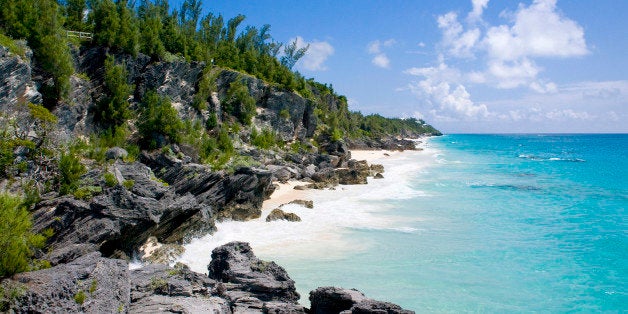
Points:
point(474, 223)
point(505, 223)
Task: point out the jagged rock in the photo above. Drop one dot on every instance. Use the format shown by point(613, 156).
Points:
point(390, 143)
point(235, 263)
point(376, 168)
point(326, 175)
point(282, 174)
point(154, 252)
point(309, 170)
point(162, 289)
point(331, 300)
point(16, 85)
point(304, 203)
point(378, 176)
point(350, 176)
point(74, 118)
point(116, 153)
point(91, 284)
point(278, 214)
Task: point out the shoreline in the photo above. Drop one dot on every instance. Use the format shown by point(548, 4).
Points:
point(320, 233)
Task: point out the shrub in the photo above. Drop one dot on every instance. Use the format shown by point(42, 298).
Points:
point(79, 297)
point(16, 239)
point(70, 171)
point(239, 102)
point(158, 119)
point(264, 140)
point(113, 110)
point(110, 179)
point(128, 184)
point(284, 114)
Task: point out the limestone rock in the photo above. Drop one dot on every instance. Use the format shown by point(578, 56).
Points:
point(278, 214)
point(235, 263)
point(327, 300)
point(91, 284)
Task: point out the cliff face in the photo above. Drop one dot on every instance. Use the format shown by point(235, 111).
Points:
point(16, 83)
point(163, 194)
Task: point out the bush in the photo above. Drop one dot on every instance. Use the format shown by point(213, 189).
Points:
point(158, 119)
point(113, 110)
point(79, 297)
point(110, 179)
point(264, 140)
point(128, 184)
point(239, 102)
point(70, 171)
point(16, 239)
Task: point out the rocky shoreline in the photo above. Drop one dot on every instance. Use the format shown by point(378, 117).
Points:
point(238, 282)
point(164, 197)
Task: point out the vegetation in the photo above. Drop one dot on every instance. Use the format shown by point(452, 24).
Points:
point(79, 297)
point(17, 242)
point(70, 171)
point(239, 102)
point(158, 120)
point(113, 110)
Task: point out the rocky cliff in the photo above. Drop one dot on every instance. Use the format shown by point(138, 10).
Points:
point(163, 194)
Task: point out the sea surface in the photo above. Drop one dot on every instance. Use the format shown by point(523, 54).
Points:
point(473, 223)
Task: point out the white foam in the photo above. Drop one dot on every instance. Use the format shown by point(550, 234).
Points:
point(322, 232)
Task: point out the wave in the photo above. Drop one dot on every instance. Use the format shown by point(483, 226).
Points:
point(508, 187)
point(539, 158)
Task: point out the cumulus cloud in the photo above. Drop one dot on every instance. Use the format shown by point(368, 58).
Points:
point(380, 59)
point(537, 30)
point(439, 88)
point(316, 55)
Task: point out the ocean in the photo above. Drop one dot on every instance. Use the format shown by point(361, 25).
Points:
point(472, 223)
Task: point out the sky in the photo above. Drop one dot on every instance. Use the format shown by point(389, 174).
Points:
point(464, 66)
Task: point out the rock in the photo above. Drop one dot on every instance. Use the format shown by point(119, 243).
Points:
point(309, 170)
point(154, 252)
point(116, 153)
point(16, 85)
point(328, 300)
point(350, 176)
point(278, 214)
point(162, 289)
point(304, 203)
point(376, 168)
point(91, 284)
point(234, 263)
point(282, 174)
point(326, 175)
point(378, 176)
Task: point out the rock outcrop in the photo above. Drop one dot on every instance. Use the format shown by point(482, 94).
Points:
point(16, 85)
point(238, 282)
point(331, 300)
point(278, 214)
point(91, 284)
point(246, 276)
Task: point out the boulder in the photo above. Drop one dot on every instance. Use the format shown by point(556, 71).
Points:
point(234, 263)
point(350, 176)
point(278, 214)
point(378, 176)
point(116, 153)
point(304, 203)
point(332, 300)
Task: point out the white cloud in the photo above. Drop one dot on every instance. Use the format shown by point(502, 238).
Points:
point(380, 59)
point(478, 8)
point(316, 55)
point(537, 30)
point(456, 41)
point(440, 89)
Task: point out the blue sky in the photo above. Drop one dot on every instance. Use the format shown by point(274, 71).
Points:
point(464, 66)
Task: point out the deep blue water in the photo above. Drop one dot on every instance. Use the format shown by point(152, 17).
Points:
point(504, 223)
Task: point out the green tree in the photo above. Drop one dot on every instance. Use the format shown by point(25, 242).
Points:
point(75, 12)
point(104, 17)
point(17, 241)
point(292, 54)
point(150, 28)
point(127, 33)
point(158, 119)
point(113, 110)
